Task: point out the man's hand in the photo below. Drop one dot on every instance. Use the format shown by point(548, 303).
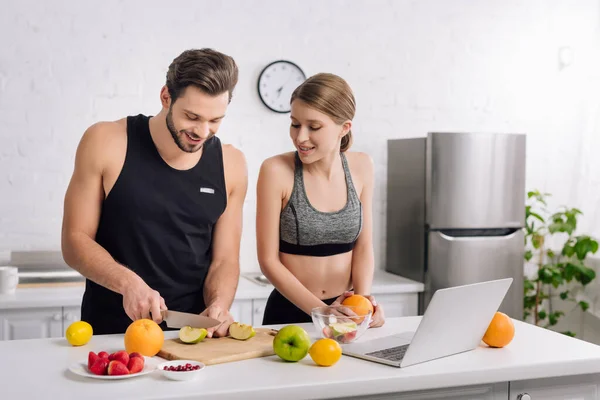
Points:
point(141, 300)
point(217, 312)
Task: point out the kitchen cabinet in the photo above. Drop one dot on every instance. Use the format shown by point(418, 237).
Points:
point(241, 310)
point(70, 315)
point(495, 391)
point(581, 387)
point(248, 311)
point(37, 323)
point(32, 323)
point(398, 305)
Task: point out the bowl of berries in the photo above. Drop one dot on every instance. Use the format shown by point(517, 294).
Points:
point(181, 370)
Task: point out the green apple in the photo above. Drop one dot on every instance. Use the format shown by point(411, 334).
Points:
point(190, 335)
point(291, 343)
point(342, 328)
point(241, 331)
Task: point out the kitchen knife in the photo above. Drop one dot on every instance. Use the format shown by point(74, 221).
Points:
point(178, 319)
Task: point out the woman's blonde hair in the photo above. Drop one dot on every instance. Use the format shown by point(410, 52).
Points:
point(331, 95)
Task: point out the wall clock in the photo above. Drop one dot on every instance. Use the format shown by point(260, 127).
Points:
point(276, 83)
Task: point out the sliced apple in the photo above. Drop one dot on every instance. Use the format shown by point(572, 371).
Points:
point(190, 335)
point(241, 331)
point(343, 328)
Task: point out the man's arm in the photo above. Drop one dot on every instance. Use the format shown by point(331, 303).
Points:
point(82, 207)
point(223, 275)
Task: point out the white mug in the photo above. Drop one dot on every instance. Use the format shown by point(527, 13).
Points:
point(9, 279)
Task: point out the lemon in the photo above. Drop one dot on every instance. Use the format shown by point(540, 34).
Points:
point(79, 333)
point(325, 352)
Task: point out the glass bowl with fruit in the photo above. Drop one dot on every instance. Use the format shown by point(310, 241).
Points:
point(342, 323)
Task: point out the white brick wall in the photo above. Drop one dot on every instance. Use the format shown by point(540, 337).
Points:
point(415, 66)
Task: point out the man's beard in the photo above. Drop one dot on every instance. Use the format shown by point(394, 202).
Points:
point(176, 137)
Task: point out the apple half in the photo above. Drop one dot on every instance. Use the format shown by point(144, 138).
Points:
point(342, 328)
point(241, 331)
point(190, 335)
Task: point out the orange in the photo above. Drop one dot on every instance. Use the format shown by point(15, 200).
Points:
point(325, 352)
point(144, 336)
point(362, 305)
point(500, 332)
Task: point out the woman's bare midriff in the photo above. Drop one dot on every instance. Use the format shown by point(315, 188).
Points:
point(325, 277)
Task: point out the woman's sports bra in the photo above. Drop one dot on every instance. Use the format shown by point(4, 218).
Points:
point(307, 231)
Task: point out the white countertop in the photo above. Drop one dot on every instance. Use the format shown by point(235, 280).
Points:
point(383, 283)
point(534, 353)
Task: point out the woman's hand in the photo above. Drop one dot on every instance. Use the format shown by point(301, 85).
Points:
point(378, 317)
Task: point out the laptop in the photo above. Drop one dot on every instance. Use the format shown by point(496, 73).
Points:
point(454, 322)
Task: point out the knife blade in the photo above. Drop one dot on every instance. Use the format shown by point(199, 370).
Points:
point(178, 319)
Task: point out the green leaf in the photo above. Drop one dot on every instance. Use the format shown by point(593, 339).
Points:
point(550, 253)
point(580, 272)
point(570, 271)
point(542, 315)
point(564, 295)
point(529, 302)
point(557, 278)
point(528, 255)
point(587, 275)
point(569, 333)
point(553, 317)
point(559, 226)
point(584, 245)
point(537, 216)
point(545, 275)
point(528, 285)
point(584, 305)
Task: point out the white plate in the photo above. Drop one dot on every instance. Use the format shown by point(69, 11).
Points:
point(80, 368)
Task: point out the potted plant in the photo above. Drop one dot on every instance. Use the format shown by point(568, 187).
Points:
point(559, 255)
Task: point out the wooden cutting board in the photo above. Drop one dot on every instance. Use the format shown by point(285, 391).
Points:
point(221, 350)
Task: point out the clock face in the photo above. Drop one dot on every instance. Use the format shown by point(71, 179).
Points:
point(276, 83)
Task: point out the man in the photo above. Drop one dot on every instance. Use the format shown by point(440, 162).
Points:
point(153, 212)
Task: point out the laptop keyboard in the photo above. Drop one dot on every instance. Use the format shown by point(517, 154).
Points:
point(391, 354)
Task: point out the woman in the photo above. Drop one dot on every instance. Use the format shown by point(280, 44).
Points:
point(314, 218)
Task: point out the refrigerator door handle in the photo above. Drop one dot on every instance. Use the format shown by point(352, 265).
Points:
point(478, 234)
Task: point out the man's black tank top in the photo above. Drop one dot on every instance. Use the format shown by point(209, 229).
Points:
point(158, 222)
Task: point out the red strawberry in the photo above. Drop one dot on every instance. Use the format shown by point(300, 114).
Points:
point(117, 368)
point(99, 367)
point(136, 364)
point(103, 354)
point(91, 358)
point(135, 354)
point(121, 356)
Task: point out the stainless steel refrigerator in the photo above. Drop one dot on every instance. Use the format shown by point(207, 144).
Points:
point(456, 211)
